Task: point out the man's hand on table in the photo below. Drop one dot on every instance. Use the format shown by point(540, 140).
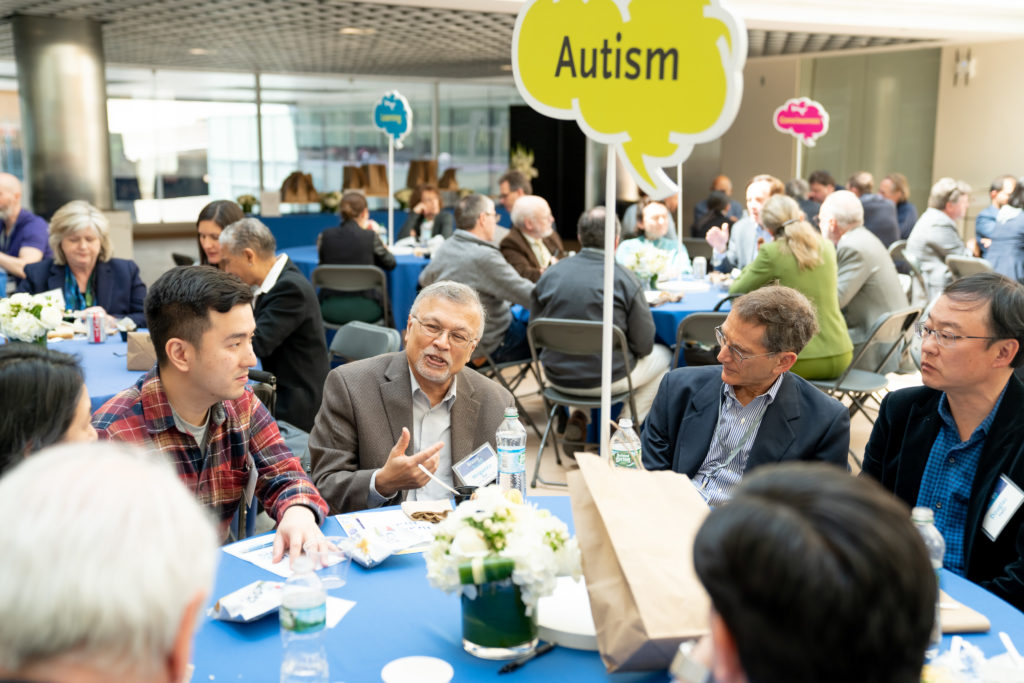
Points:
point(401, 472)
point(297, 525)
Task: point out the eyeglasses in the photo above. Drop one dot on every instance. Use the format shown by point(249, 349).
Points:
point(736, 355)
point(434, 331)
point(944, 339)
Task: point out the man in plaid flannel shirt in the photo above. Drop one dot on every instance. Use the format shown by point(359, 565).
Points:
point(956, 445)
point(196, 407)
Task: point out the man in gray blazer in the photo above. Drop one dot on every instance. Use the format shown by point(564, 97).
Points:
point(936, 236)
point(868, 283)
point(419, 400)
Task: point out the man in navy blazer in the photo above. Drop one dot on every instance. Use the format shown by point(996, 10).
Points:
point(956, 445)
point(714, 423)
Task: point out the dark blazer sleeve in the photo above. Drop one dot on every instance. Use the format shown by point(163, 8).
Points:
point(120, 290)
point(39, 275)
point(279, 312)
point(444, 224)
point(411, 225)
point(657, 443)
point(382, 258)
point(519, 255)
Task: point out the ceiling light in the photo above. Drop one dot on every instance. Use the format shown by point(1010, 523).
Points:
point(356, 31)
point(201, 51)
point(506, 67)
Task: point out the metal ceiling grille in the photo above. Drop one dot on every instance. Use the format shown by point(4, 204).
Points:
point(305, 36)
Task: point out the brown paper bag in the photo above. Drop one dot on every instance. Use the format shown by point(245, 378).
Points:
point(448, 181)
point(141, 355)
point(376, 180)
point(353, 178)
point(635, 530)
point(421, 171)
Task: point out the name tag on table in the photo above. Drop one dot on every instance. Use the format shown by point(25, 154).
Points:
point(479, 468)
point(1006, 500)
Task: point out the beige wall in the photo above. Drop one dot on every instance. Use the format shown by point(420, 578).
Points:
point(977, 128)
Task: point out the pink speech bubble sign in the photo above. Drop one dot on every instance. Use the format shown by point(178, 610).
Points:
point(802, 118)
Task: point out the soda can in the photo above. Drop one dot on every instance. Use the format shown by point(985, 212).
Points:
point(700, 267)
point(96, 327)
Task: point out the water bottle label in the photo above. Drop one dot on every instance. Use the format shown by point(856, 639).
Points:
point(624, 458)
point(512, 459)
point(304, 619)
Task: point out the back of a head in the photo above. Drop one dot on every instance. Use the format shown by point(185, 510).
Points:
point(249, 233)
point(946, 191)
point(352, 205)
point(178, 304)
point(468, 210)
point(104, 551)
point(787, 316)
point(527, 206)
point(861, 183)
point(797, 188)
point(782, 216)
point(901, 185)
point(717, 202)
point(516, 180)
point(819, 576)
point(1016, 199)
point(590, 227)
point(846, 208)
point(39, 392)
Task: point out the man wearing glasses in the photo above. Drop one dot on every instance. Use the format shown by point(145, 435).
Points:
point(714, 424)
point(419, 402)
point(956, 445)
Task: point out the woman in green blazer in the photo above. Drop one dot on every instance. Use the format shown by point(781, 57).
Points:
point(801, 258)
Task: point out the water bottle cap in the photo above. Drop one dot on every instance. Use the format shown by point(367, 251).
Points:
point(625, 423)
point(511, 411)
point(923, 515)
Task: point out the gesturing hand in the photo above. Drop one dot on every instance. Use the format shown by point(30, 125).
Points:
point(401, 472)
point(718, 237)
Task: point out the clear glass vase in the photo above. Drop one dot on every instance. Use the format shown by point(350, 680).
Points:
point(494, 621)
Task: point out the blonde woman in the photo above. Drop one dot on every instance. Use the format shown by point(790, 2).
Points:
point(799, 257)
point(83, 267)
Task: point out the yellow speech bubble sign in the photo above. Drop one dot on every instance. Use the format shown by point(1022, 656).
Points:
point(650, 77)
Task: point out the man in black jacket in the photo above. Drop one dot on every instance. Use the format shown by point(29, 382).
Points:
point(289, 339)
point(956, 445)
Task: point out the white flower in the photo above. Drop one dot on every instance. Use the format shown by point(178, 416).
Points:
point(468, 542)
point(51, 317)
point(21, 299)
point(24, 327)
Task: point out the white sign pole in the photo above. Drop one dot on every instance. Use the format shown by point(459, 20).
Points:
point(679, 202)
point(391, 191)
point(799, 159)
point(609, 297)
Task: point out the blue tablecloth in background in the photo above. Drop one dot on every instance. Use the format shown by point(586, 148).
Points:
point(3, 283)
point(401, 281)
point(398, 614)
point(668, 316)
point(105, 366)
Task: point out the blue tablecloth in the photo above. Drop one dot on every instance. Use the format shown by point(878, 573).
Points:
point(401, 281)
point(3, 283)
point(398, 614)
point(105, 366)
point(668, 316)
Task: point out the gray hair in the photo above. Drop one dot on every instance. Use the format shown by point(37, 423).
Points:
point(947, 191)
point(249, 233)
point(590, 228)
point(787, 316)
point(846, 208)
point(527, 206)
point(861, 182)
point(455, 292)
point(75, 217)
point(105, 575)
point(798, 188)
point(469, 208)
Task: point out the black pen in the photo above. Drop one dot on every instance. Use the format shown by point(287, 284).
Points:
point(512, 666)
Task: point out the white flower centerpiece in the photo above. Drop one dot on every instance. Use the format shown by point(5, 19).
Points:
point(27, 317)
point(648, 263)
point(330, 201)
point(503, 557)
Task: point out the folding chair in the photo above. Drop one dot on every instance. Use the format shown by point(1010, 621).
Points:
point(698, 329)
point(862, 379)
point(897, 251)
point(357, 340)
point(265, 387)
point(962, 266)
point(183, 259)
point(496, 372)
point(697, 246)
point(577, 338)
point(353, 279)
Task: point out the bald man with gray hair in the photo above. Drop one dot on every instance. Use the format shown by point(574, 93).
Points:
point(532, 245)
point(24, 236)
point(868, 284)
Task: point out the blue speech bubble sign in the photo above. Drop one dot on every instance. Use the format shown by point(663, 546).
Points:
point(393, 115)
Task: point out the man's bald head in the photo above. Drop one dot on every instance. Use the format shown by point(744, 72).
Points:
point(10, 183)
point(10, 198)
point(532, 215)
point(840, 213)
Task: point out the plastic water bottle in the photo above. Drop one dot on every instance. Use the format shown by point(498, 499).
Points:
point(511, 441)
point(303, 618)
point(924, 520)
point(625, 446)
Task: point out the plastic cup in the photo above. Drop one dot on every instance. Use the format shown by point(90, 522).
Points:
point(700, 267)
point(331, 565)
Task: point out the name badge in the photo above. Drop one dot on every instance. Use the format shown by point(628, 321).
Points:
point(479, 468)
point(1006, 500)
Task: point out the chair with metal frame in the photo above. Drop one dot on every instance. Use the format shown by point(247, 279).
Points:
point(353, 279)
point(698, 328)
point(495, 371)
point(264, 386)
point(357, 340)
point(860, 383)
point(962, 266)
point(577, 338)
point(698, 246)
point(915, 280)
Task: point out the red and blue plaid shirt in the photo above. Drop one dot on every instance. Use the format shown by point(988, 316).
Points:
point(240, 427)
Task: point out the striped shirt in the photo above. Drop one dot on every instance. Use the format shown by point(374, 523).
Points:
point(730, 447)
point(236, 429)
